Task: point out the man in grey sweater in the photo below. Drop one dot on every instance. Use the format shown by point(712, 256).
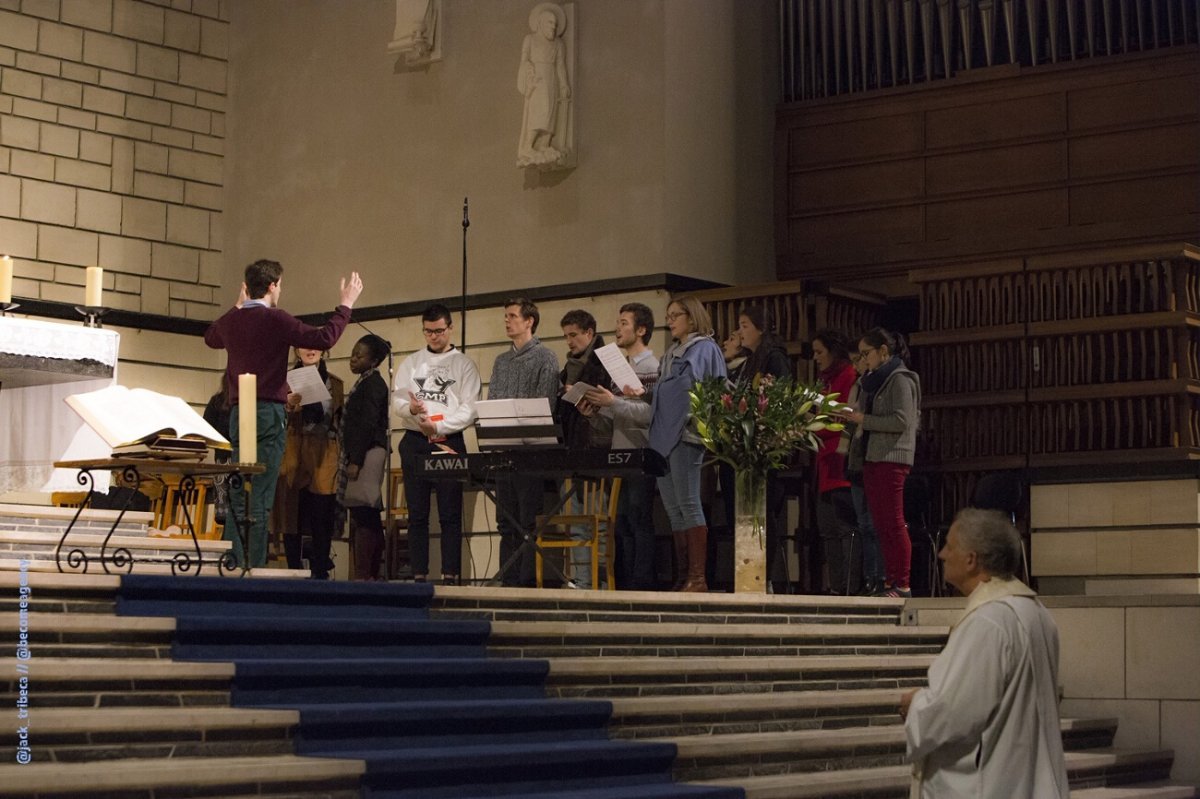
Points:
point(526, 371)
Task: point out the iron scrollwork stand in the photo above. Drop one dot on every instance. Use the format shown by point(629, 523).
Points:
point(120, 560)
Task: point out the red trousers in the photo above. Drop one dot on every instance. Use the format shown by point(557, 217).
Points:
point(883, 484)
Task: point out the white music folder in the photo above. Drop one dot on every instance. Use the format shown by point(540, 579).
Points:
point(515, 413)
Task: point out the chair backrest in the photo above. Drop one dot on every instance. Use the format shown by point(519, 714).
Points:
point(597, 497)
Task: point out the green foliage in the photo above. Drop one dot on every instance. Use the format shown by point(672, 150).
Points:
point(755, 425)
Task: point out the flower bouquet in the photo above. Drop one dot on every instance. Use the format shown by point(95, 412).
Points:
point(754, 427)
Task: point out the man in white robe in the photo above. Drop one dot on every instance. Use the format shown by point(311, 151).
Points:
point(988, 725)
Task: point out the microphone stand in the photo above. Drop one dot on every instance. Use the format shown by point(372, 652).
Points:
point(466, 223)
point(387, 477)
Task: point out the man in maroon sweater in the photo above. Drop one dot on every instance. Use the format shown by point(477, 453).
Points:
point(258, 337)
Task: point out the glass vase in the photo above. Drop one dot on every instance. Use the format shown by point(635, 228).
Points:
point(749, 532)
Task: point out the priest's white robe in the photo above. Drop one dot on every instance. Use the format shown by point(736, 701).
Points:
point(988, 726)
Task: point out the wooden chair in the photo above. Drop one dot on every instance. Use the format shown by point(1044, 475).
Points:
point(68, 499)
point(596, 501)
point(168, 509)
point(395, 527)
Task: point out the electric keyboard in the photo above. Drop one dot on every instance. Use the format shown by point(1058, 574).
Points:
point(557, 463)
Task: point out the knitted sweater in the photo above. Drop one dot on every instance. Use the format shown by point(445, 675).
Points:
point(891, 424)
point(525, 373)
point(259, 339)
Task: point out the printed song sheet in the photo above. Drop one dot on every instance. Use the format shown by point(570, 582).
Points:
point(306, 381)
point(619, 370)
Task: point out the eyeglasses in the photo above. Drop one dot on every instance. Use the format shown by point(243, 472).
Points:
point(865, 353)
point(671, 317)
point(437, 331)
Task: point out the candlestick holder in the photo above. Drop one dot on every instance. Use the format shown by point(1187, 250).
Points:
point(5, 307)
point(91, 315)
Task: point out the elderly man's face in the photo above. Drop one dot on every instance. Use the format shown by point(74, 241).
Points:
point(958, 565)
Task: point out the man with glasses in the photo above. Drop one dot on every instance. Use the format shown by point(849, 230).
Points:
point(434, 397)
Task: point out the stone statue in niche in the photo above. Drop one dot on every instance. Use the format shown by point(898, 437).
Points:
point(544, 80)
point(417, 36)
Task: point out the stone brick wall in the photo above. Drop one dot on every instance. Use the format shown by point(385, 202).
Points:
point(112, 136)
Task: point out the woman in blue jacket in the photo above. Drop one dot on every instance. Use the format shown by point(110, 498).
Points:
point(693, 356)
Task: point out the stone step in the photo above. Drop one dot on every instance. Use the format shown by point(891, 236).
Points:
point(266, 776)
point(52, 592)
point(613, 677)
point(547, 639)
point(1159, 789)
point(795, 711)
point(1087, 769)
point(117, 682)
point(67, 735)
point(71, 635)
point(711, 757)
point(720, 714)
point(650, 607)
point(86, 550)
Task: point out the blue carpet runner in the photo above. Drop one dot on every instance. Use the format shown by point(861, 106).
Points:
point(375, 679)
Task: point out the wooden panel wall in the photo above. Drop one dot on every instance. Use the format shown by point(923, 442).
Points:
point(1009, 161)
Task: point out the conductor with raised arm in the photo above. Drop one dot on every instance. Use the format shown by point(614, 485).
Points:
point(258, 335)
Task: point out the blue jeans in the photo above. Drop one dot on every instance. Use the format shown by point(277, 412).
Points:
point(680, 487)
point(872, 557)
point(581, 557)
point(271, 432)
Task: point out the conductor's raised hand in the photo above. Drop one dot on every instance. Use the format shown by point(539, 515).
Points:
point(351, 289)
point(243, 295)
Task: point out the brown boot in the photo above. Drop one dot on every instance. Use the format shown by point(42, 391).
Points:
point(697, 544)
point(681, 559)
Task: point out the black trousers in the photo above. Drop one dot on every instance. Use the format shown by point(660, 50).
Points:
point(518, 498)
point(417, 491)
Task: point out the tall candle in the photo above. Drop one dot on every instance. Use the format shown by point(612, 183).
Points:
point(248, 418)
point(95, 283)
point(5, 279)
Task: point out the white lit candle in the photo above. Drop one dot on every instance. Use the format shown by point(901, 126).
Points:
point(5, 279)
point(93, 291)
point(247, 418)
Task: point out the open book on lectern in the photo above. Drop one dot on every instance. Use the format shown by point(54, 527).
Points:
point(137, 421)
point(507, 423)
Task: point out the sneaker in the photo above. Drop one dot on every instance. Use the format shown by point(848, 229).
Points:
point(898, 593)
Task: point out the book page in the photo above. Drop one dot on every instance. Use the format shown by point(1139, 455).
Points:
point(183, 417)
point(575, 393)
point(117, 415)
point(129, 416)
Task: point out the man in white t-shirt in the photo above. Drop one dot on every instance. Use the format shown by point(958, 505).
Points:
point(434, 397)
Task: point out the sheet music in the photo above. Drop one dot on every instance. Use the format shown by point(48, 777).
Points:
point(618, 368)
point(306, 381)
point(575, 393)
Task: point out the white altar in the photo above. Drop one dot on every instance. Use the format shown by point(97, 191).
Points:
point(42, 363)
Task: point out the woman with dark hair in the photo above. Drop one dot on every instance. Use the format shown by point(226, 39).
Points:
point(364, 454)
point(835, 506)
point(304, 496)
point(892, 409)
point(768, 353)
point(692, 357)
point(768, 356)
